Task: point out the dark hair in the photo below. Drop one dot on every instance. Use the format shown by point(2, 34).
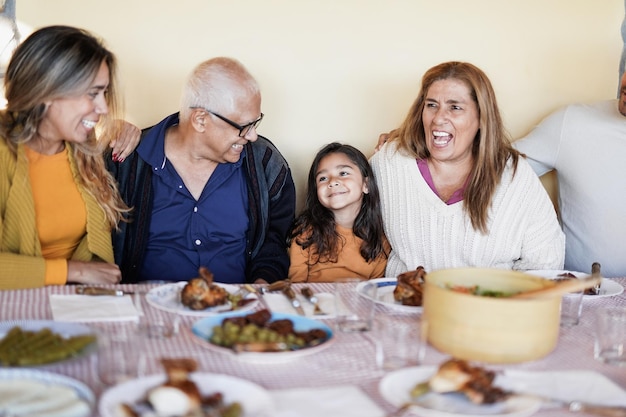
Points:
point(315, 227)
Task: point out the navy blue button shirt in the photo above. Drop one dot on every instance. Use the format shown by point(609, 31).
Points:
point(185, 233)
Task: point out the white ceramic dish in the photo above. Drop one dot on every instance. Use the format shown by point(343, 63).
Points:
point(83, 406)
point(384, 295)
point(254, 399)
point(396, 386)
point(608, 287)
point(167, 297)
point(64, 329)
point(202, 331)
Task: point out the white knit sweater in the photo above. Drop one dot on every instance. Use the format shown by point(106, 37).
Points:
point(523, 230)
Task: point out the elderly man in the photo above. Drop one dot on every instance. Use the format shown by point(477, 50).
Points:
point(206, 189)
point(586, 144)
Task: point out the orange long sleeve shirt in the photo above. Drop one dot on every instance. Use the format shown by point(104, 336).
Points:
point(60, 213)
point(350, 263)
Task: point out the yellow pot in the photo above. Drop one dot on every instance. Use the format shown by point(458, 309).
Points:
point(489, 329)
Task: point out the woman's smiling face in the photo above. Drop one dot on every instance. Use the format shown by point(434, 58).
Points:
point(451, 120)
point(73, 118)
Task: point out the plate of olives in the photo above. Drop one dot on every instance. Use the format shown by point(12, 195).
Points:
point(262, 336)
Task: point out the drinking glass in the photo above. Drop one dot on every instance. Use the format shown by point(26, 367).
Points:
point(355, 305)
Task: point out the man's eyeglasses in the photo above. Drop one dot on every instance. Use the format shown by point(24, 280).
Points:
point(243, 130)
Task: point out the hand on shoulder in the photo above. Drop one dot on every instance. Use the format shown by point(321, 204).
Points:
point(126, 142)
point(383, 138)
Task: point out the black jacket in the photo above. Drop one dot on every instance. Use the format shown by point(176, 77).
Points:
point(272, 200)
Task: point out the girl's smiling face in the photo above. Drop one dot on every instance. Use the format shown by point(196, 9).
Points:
point(451, 120)
point(340, 185)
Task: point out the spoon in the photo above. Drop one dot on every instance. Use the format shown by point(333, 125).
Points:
point(562, 287)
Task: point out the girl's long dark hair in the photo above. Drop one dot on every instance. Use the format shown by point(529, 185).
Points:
point(315, 227)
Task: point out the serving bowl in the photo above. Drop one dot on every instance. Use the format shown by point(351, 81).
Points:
point(202, 331)
point(489, 329)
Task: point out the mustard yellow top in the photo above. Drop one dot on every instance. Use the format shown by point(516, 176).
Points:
point(60, 213)
point(350, 263)
point(22, 263)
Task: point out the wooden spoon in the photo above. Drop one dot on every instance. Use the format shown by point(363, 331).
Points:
point(564, 286)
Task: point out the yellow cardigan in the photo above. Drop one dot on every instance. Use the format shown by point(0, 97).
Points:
point(21, 262)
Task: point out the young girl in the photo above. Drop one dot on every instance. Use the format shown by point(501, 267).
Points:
point(340, 233)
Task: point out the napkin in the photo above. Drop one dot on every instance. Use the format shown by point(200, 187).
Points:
point(278, 303)
point(335, 401)
point(586, 386)
point(88, 308)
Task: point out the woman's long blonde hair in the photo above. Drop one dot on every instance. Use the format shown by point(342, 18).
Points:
point(61, 61)
point(491, 148)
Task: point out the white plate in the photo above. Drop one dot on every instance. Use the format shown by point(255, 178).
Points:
point(384, 295)
point(167, 297)
point(396, 386)
point(254, 399)
point(202, 330)
point(64, 329)
point(50, 379)
point(608, 287)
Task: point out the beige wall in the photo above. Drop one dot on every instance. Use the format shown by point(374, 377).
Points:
point(347, 70)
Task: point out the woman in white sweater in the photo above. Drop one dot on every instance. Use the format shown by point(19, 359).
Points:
point(454, 191)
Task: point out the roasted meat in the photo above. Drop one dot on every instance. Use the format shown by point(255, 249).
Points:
point(201, 293)
point(178, 396)
point(476, 383)
point(569, 275)
point(282, 326)
point(256, 332)
point(410, 287)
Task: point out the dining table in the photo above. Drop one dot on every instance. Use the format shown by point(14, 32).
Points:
point(350, 360)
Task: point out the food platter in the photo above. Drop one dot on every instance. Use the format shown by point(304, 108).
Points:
point(608, 287)
point(384, 295)
point(48, 394)
point(202, 330)
point(167, 297)
point(395, 388)
point(255, 400)
point(64, 329)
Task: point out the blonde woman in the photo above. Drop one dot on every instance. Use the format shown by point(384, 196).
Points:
point(58, 203)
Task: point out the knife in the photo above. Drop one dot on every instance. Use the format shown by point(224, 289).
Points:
point(598, 410)
point(309, 295)
point(573, 406)
point(291, 296)
point(276, 286)
point(422, 389)
point(88, 290)
point(259, 295)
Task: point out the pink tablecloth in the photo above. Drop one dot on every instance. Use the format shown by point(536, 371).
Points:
point(350, 360)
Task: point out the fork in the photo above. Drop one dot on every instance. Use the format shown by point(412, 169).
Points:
point(308, 294)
